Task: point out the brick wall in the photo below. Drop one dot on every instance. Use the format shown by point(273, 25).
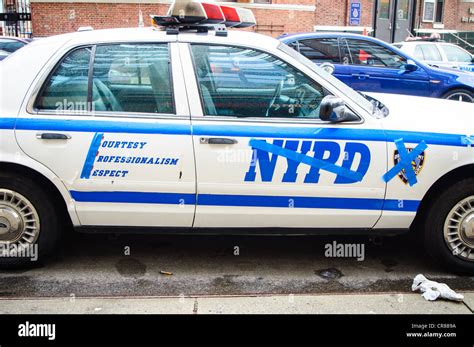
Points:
point(57, 18)
point(50, 18)
point(454, 10)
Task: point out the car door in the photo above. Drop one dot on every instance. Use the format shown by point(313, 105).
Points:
point(264, 159)
point(456, 56)
point(430, 54)
point(375, 68)
point(106, 122)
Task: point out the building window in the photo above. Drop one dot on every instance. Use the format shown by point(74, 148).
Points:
point(428, 10)
point(439, 11)
point(384, 9)
point(433, 11)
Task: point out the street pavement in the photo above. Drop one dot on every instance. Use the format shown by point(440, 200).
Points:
point(228, 274)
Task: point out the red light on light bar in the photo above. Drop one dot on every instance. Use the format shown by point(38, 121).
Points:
point(231, 15)
point(214, 13)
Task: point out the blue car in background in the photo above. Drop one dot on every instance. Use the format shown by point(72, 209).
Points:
point(371, 65)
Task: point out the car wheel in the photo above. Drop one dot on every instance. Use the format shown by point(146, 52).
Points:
point(460, 95)
point(449, 227)
point(29, 224)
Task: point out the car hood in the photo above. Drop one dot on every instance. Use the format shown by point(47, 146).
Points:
point(412, 113)
point(451, 76)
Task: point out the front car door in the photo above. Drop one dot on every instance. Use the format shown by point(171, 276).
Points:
point(375, 68)
point(263, 157)
point(106, 122)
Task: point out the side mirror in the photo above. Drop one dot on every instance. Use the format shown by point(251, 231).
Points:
point(328, 67)
point(333, 109)
point(410, 66)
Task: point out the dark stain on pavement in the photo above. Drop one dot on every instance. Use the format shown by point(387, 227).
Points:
point(130, 267)
point(329, 274)
point(389, 264)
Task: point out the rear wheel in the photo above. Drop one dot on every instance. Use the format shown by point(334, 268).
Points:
point(449, 227)
point(29, 225)
point(460, 95)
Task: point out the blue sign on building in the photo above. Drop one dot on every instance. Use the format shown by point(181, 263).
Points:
point(354, 17)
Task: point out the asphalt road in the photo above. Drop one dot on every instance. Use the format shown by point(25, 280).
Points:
point(97, 265)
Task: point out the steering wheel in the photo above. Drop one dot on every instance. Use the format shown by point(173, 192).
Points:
point(309, 100)
point(276, 95)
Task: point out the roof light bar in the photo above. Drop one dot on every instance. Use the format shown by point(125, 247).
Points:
point(247, 18)
point(231, 15)
point(203, 16)
point(214, 13)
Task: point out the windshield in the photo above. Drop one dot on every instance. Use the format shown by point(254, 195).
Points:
point(360, 98)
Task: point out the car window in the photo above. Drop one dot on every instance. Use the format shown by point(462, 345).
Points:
point(294, 45)
point(67, 87)
point(429, 52)
point(320, 50)
point(456, 54)
point(419, 53)
point(242, 82)
point(132, 78)
point(361, 52)
point(11, 45)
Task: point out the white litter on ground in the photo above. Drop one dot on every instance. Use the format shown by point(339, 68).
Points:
point(432, 290)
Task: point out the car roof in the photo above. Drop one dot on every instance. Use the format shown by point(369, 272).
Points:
point(13, 38)
point(422, 42)
point(309, 35)
point(150, 34)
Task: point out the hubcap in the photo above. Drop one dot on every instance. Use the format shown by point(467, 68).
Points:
point(461, 96)
point(459, 229)
point(19, 221)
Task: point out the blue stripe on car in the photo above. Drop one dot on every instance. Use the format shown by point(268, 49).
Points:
point(247, 200)
point(232, 130)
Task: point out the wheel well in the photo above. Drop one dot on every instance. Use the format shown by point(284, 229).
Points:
point(471, 90)
point(443, 182)
point(45, 184)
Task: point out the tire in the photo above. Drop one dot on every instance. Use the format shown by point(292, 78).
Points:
point(27, 217)
point(460, 95)
point(451, 217)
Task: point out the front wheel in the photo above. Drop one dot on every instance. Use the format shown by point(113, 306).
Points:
point(29, 225)
point(460, 95)
point(449, 227)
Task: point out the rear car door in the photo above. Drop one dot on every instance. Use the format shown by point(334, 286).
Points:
point(372, 67)
point(429, 53)
point(106, 122)
point(259, 141)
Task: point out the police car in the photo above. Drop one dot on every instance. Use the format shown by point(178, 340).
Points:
point(193, 125)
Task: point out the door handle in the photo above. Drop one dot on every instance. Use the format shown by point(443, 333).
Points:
point(217, 141)
point(361, 76)
point(52, 136)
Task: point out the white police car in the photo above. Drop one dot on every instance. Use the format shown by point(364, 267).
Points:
point(146, 128)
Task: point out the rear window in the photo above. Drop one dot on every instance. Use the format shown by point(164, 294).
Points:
point(428, 52)
point(320, 50)
point(133, 78)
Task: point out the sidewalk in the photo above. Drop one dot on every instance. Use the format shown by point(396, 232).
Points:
point(271, 304)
